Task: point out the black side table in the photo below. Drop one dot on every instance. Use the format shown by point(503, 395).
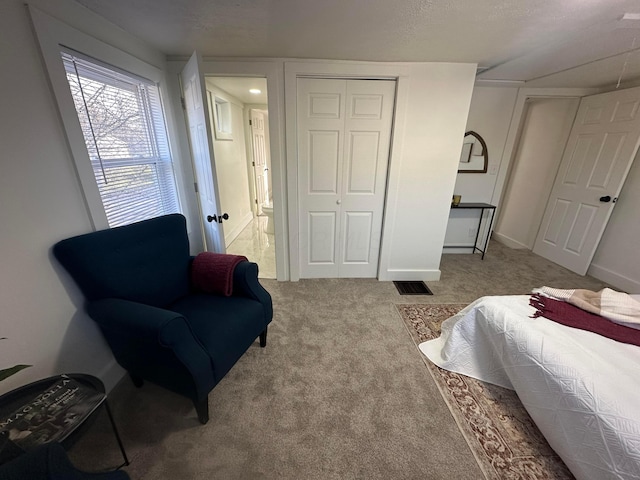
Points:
point(476, 206)
point(65, 421)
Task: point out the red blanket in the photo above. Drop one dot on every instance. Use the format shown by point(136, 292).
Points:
point(213, 272)
point(572, 316)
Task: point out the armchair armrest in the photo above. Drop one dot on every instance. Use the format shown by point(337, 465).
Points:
point(144, 322)
point(125, 322)
point(246, 284)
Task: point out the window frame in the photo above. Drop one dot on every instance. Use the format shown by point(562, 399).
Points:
point(129, 205)
point(222, 118)
point(53, 37)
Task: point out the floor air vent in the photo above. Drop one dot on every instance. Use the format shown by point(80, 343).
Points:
point(412, 288)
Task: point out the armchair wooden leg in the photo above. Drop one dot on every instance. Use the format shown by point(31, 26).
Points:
point(137, 381)
point(263, 338)
point(202, 409)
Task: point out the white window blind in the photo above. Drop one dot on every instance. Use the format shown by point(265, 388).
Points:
point(124, 130)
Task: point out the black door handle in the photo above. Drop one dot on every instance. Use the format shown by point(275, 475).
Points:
point(217, 218)
point(605, 199)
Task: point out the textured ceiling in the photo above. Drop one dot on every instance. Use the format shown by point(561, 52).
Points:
point(520, 40)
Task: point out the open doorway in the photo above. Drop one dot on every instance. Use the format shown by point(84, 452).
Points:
point(545, 127)
point(240, 117)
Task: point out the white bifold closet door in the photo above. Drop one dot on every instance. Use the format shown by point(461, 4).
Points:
point(344, 134)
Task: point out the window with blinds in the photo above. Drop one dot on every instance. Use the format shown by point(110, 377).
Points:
point(124, 130)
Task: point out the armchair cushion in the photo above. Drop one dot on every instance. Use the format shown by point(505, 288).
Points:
point(226, 326)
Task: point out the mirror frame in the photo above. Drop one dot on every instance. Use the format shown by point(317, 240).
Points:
point(485, 153)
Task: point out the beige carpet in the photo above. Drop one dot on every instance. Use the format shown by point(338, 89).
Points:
point(340, 392)
point(495, 424)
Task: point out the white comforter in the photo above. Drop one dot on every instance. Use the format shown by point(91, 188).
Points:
point(581, 389)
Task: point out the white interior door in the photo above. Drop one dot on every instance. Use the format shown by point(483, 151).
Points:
point(259, 158)
point(601, 147)
point(344, 133)
point(201, 141)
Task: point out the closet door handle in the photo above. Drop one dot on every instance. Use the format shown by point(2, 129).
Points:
point(338, 202)
point(605, 199)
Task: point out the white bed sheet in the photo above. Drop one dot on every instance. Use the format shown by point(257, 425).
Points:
point(581, 389)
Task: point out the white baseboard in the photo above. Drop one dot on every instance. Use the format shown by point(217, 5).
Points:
point(614, 279)
point(231, 236)
point(508, 241)
point(409, 274)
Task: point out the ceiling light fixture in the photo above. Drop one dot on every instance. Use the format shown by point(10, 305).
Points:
point(629, 20)
point(255, 91)
point(631, 16)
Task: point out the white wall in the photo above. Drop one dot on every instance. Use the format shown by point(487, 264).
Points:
point(231, 169)
point(422, 176)
point(489, 116)
point(41, 203)
point(545, 131)
point(617, 259)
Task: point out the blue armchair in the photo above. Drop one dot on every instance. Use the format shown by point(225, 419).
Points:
point(136, 280)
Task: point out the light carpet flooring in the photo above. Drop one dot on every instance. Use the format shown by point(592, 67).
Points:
point(340, 391)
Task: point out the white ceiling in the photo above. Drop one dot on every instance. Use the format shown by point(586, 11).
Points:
point(239, 87)
point(547, 43)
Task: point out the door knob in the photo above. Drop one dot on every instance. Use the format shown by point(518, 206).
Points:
point(605, 199)
point(217, 218)
point(338, 202)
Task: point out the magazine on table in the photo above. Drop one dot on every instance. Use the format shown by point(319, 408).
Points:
point(51, 415)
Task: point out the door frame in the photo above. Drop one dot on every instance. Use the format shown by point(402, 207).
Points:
point(522, 127)
point(346, 71)
point(255, 206)
point(336, 270)
point(515, 130)
point(272, 71)
point(584, 193)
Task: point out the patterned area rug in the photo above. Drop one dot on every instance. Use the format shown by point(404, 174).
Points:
point(497, 428)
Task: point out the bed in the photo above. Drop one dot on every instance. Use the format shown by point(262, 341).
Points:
point(581, 389)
